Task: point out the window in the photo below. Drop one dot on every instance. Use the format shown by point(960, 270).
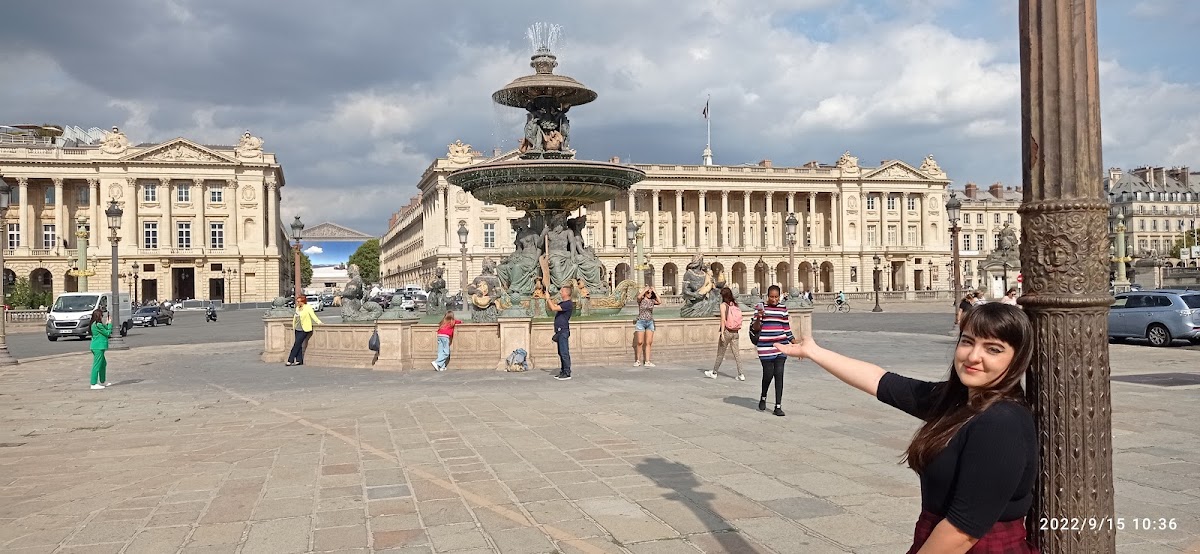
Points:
point(14, 195)
point(659, 203)
point(891, 234)
point(853, 274)
point(1153, 224)
point(996, 219)
point(1166, 225)
point(150, 193)
point(489, 235)
point(184, 234)
point(979, 241)
point(1010, 218)
point(1141, 225)
point(216, 235)
point(870, 202)
point(966, 239)
point(48, 237)
point(150, 234)
point(912, 203)
point(684, 238)
point(979, 219)
point(49, 196)
point(83, 195)
point(1154, 244)
point(910, 237)
point(871, 239)
point(183, 192)
point(891, 202)
point(1180, 224)
point(14, 236)
point(216, 194)
point(614, 235)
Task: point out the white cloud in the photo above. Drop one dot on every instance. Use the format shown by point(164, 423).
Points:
point(314, 250)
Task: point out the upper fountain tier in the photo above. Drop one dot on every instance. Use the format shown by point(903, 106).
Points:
point(544, 84)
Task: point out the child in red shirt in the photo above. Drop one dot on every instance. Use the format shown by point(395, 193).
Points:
point(445, 335)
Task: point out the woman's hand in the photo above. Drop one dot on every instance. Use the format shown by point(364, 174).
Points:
point(803, 348)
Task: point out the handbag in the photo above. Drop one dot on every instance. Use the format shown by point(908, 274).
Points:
point(373, 342)
point(755, 329)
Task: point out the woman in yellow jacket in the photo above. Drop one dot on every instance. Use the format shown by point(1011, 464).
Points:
point(303, 324)
point(101, 329)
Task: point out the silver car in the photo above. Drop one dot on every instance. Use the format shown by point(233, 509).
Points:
point(1159, 316)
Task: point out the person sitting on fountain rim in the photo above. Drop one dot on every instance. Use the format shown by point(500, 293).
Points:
point(562, 309)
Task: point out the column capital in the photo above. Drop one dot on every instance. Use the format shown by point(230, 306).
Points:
point(164, 181)
point(58, 182)
point(904, 194)
point(791, 194)
point(654, 193)
point(724, 194)
point(678, 193)
point(93, 182)
point(132, 181)
point(198, 182)
point(23, 181)
point(835, 195)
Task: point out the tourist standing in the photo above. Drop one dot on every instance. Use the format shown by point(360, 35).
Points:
point(302, 323)
point(1010, 297)
point(445, 337)
point(977, 451)
point(562, 329)
point(101, 329)
point(643, 328)
point(775, 330)
point(727, 335)
point(964, 306)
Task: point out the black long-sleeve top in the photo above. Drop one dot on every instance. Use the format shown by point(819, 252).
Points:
point(986, 473)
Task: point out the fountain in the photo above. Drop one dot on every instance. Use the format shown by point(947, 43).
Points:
point(547, 182)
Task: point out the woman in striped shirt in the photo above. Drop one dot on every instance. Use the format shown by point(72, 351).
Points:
point(773, 317)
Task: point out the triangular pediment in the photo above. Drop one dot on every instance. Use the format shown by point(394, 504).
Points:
point(897, 170)
point(333, 232)
point(180, 150)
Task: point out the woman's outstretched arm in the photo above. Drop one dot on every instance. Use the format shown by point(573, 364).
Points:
point(861, 375)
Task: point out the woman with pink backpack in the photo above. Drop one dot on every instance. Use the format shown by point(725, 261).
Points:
point(731, 324)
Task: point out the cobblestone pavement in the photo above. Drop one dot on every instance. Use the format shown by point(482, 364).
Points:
point(204, 449)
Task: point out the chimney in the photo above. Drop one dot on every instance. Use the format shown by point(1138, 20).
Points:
point(764, 163)
point(496, 151)
point(1160, 175)
point(615, 159)
point(996, 190)
point(1114, 174)
point(971, 190)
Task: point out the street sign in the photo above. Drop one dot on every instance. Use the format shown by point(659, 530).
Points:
point(1020, 278)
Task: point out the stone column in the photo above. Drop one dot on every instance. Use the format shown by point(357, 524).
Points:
point(26, 204)
point(923, 206)
point(903, 238)
point(129, 223)
point(168, 225)
point(702, 241)
point(724, 220)
point(678, 241)
point(606, 225)
point(768, 217)
point(631, 205)
point(272, 223)
point(835, 219)
point(652, 233)
point(862, 227)
point(812, 219)
point(233, 236)
point(1064, 250)
point(202, 232)
point(747, 234)
point(94, 209)
point(59, 208)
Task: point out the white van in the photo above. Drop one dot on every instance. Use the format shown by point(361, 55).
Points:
point(71, 314)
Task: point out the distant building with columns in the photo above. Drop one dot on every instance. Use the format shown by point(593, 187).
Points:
point(200, 221)
point(733, 215)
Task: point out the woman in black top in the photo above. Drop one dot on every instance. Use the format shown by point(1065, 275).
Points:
point(976, 453)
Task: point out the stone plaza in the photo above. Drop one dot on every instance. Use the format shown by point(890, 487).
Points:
point(196, 449)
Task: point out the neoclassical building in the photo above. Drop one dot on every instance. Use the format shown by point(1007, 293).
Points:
point(1160, 205)
point(200, 221)
point(734, 215)
point(984, 215)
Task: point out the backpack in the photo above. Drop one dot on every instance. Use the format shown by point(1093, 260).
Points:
point(517, 360)
point(733, 317)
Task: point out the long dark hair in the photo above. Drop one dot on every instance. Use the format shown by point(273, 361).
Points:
point(955, 403)
point(727, 295)
point(97, 316)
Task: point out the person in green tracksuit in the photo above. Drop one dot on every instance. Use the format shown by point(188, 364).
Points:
point(101, 330)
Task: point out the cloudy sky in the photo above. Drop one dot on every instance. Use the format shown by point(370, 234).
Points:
point(357, 98)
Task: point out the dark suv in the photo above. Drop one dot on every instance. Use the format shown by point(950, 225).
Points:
point(1160, 316)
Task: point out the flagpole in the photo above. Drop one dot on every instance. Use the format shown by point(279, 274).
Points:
point(708, 121)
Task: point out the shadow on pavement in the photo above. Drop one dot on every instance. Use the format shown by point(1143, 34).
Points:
point(127, 382)
point(680, 479)
point(742, 401)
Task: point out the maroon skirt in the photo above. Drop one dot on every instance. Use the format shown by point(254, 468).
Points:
point(1005, 537)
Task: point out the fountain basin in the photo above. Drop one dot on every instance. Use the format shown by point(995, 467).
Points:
point(546, 185)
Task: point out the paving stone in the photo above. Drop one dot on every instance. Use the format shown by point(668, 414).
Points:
point(803, 507)
point(758, 487)
point(340, 518)
point(279, 535)
point(155, 541)
point(625, 520)
point(524, 540)
point(217, 534)
point(685, 517)
point(443, 512)
point(783, 535)
point(402, 538)
point(456, 537)
point(110, 531)
point(282, 507)
point(339, 538)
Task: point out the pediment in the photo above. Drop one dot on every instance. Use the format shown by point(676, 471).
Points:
point(897, 170)
point(180, 150)
point(333, 232)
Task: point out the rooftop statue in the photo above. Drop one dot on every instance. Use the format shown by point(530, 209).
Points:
point(114, 142)
point(459, 153)
point(847, 161)
point(249, 146)
point(930, 165)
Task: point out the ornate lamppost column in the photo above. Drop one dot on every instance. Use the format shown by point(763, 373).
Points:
point(1121, 256)
point(790, 227)
point(631, 230)
point(5, 197)
point(114, 213)
point(876, 275)
point(953, 205)
point(929, 277)
point(297, 230)
point(816, 275)
point(462, 250)
point(1063, 220)
point(136, 268)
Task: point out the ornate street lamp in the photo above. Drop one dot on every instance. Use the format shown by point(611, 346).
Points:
point(790, 226)
point(136, 268)
point(5, 357)
point(114, 213)
point(980, 282)
point(929, 278)
point(229, 274)
point(953, 205)
point(631, 230)
point(816, 274)
point(876, 259)
point(462, 250)
point(297, 230)
point(760, 268)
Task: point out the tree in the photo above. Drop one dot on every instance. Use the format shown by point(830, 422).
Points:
point(305, 270)
point(20, 294)
point(1189, 238)
point(367, 260)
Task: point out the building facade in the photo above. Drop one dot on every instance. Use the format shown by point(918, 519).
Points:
point(734, 215)
point(984, 216)
point(200, 221)
point(1160, 207)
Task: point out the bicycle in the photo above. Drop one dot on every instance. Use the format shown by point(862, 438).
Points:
point(844, 307)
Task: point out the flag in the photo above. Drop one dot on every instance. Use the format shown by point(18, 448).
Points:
point(705, 112)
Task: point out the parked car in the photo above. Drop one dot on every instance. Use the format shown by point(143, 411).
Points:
point(384, 300)
point(1159, 316)
point(327, 300)
point(409, 303)
point(151, 316)
point(314, 300)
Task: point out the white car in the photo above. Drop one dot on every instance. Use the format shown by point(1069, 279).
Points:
point(409, 303)
point(314, 300)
